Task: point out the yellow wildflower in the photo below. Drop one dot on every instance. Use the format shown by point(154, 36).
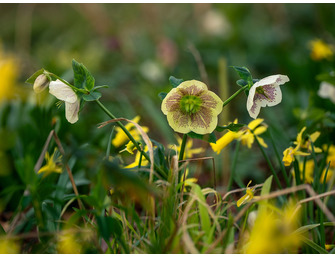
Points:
point(291, 152)
point(51, 164)
point(8, 246)
point(273, 231)
point(144, 161)
point(121, 138)
point(331, 156)
point(68, 243)
point(191, 107)
point(245, 136)
point(8, 76)
point(187, 181)
point(320, 50)
point(309, 172)
point(189, 151)
point(329, 246)
point(249, 194)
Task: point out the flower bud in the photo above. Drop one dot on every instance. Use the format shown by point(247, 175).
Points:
point(41, 82)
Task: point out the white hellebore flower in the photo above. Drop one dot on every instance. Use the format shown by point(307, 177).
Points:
point(265, 92)
point(65, 93)
point(327, 91)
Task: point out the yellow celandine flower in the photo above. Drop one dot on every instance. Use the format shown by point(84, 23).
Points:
point(191, 107)
point(121, 138)
point(189, 151)
point(8, 246)
point(331, 156)
point(273, 231)
point(51, 164)
point(68, 243)
point(245, 136)
point(309, 172)
point(329, 246)
point(144, 161)
point(320, 50)
point(291, 152)
point(187, 181)
point(249, 194)
point(8, 75)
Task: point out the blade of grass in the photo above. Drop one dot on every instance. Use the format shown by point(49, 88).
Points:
point(233, 167)
point(313, 245)
point(109, 143)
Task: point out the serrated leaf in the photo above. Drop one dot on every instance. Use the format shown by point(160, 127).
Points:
point(211, 138)
point(175, 81)
point(92, 96)
point(162, 95)
point(243, 73)
point(33, 77)
point(82, 77)
point(232, 127)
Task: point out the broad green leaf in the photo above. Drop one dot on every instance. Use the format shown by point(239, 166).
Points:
point(244, 73)
point(306, 228)
point(162, 95)
point(232, 127)
point(33, 77)
point(82, 77)
point(265, 191)
point(92, 96)
point(175, 81)
point(211, 138)
point(109, 227)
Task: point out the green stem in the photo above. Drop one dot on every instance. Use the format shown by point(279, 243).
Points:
point(131, 138)
point(234, 95)
point(268, 161)
point(182, 147)
point(232, 174)
point(75, 89)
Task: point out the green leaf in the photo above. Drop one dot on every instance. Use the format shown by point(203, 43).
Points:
point(211, 138)
point(232, 127)
point(108, 227)
point(162, 95)
point(82, 77)
point(33, 77)
point(265, 191)
point(241, 82)
point(313, 245)
point(175, 81)
point(99, 87)
point(92, 96)
point(2, 231)
point(203, 211)
point(244, 73)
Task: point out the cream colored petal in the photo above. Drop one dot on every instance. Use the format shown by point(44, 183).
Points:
point(178, 121)
point(274, 79)
point(172, 97)
point(72, 111)
point(62, 91)
point(203, 122)
point(189, 83)
point(212, 101)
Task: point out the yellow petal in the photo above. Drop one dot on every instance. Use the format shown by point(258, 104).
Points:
point(259, 130)
point(261, 141)
point(288, 156)
point(223, 142)
point(189, 83)
point(254, 123)
point(299, 136)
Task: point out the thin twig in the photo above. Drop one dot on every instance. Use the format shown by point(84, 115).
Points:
point(200, 63)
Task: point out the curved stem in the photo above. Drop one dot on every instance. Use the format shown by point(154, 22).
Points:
point(131, 138)
point(234, 95)
point(67, 83)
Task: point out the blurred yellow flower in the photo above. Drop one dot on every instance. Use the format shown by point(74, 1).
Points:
point(144, 161)
point(273, 231)
point(320, 50)
point(68, 243)
point(246, 136)
point(121, 138)
point(291, 152)
point(188, 181)
point(249, 194)
point(309, 172)
point(8, 246)
point(331, 156)
point(52, 164)
point(191, 107)
point(189, 151)
point(9, 69)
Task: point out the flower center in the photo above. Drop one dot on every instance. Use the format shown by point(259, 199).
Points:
point(190, 104)
point(260, 90)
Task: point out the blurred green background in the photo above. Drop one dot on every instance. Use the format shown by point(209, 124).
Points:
point(134, 48)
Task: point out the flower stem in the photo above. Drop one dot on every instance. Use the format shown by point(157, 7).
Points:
point(232, 173)
point(131, 138)
point(234, 95)
point(182, 147)
point(67, 83)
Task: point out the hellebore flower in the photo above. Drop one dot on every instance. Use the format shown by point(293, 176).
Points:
point(265, 92)
point(65, 93)
point(192, 107)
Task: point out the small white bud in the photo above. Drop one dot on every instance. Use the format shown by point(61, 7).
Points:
point(41, 82)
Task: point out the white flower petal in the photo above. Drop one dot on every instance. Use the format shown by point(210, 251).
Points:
point(62, 91)
point(274, 79)
point(327, 91)
point(71, 111)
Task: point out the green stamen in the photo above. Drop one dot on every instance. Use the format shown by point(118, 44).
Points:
point(190, 104)
point(260, 90)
